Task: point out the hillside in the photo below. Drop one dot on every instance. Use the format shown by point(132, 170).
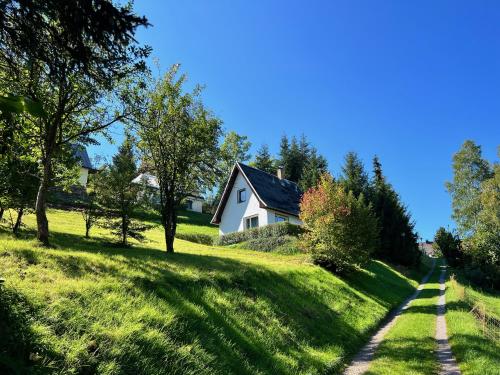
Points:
point(88, 306)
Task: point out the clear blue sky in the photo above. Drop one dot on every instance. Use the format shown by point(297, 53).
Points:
point(408, 81)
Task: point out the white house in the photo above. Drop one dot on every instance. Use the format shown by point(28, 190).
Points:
point(193, 202)
point(80, 154)
point(253, 198)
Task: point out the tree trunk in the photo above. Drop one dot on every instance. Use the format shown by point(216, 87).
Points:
point(124, 230)
point(1, 212)
point(87, 229)
point(169, 221)
point(15, 229)
point(40, 207)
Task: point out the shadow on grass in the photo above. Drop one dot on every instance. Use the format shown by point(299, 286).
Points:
point(22, 350)
point(236, 336)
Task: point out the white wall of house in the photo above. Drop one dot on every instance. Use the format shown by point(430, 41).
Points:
point(84, 176)
point(196, 204)
point(234, 214)
point(271, 217)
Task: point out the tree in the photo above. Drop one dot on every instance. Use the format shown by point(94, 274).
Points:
point(233, 149)
point(69, 56)
point(398, 239)
point(449, 245)
point(354, 177)
point(179, 135)
point(341, 230)
point(483, 247)
point(470, 170)
point(264, 161)
point(118, 194)
point(315, 167)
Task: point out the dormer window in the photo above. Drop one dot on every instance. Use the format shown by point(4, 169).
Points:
point(242, 195)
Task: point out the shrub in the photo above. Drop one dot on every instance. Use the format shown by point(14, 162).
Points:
point(204, 239)
point(341, 230)
point(268, 243)
point(271, 230)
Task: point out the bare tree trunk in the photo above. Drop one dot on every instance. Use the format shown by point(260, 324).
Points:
point(169, 221)
point(15, 229)
point(87, 229)
point(1, 212)
point(124, 230)
point(40, 207)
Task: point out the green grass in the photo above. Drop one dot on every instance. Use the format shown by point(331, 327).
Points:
point(475, 353)
point(409, 347)
point(88, 306)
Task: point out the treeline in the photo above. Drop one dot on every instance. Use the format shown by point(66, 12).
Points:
point(475, 194)
point(355, 218)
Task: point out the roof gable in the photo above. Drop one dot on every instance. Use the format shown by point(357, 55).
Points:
point(80, 154)
point(273, 193)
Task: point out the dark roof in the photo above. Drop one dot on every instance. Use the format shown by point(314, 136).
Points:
point(80, 153)
point(273, 193)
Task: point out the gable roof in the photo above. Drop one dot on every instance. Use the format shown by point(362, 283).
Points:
point(273, 193)
point(80, 153)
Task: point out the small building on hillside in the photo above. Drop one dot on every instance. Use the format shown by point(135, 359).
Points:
point(193, 202)
point(254, 198)
point(82, 157)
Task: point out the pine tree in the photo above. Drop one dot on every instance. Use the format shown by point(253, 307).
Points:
point(264, 161)
point(354, 177)
point(315, 167)
point(398, 239)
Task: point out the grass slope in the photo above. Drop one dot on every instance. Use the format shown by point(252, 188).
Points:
point(91, 307)
point(475, 353)
point(409, 347)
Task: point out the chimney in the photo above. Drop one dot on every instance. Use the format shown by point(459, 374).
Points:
point(280, 173)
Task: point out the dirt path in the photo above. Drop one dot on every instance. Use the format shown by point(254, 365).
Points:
point(445, 356)
point(362, 360)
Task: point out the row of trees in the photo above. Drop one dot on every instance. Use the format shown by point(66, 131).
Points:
point(355, 217)
point(475, 193)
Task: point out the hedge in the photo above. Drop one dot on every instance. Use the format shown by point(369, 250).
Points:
point(271, 230)
point(204, 239)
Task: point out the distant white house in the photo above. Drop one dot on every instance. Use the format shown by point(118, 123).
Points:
point(193, 202)
point(80, 154)
point(253, 198)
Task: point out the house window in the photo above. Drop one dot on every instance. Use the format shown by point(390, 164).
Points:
point(242, 195)
point(251, 222)
point(189, 204)
point(279, 218)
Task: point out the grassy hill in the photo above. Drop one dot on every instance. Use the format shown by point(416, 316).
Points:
point(88, 306)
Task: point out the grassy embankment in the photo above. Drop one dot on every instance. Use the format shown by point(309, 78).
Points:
point(88, 306)
point(475, 353)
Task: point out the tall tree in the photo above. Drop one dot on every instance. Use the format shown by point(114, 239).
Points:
point(315, 166)
point(398, 239)
point(264, 161)
point(470, 170)
point(118, 194)
point(180, 137)
point(354, 177)
point(69, 56)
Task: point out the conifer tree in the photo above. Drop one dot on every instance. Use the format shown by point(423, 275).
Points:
point(264, 161)
point(354, 177)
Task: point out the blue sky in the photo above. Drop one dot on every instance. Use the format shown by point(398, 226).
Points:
point(408, 81)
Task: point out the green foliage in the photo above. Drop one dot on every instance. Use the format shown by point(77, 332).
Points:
point(470, 170)
point(179, 138)
point(271, 230)
point(10, 104)
point(398, 239)
point(204, 239)
point(315, 166)
point(282, 244)
point(109, 309)
point(264, 160)
point(70, 56)
point(118, 195)
point(449, 245)
point(354, 177)
point(233, 149)
point(341, 230)
point(483, 247)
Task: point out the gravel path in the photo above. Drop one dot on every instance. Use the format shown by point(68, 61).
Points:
point(361, 362)
point(445, 356)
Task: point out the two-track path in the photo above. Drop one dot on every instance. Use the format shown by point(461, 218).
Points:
point(361, 362)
